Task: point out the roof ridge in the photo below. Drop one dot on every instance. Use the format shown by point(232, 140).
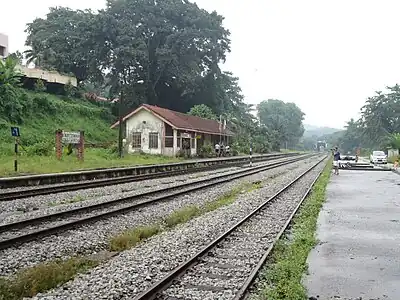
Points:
point(180, 113)
point(182, 120)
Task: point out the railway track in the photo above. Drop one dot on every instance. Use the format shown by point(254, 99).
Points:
point(59, 188)
point(13, 234)
point(227, 267)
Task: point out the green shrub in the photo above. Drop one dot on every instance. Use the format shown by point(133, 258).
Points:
point(43, 277)
point(131, 238)
point(234, 152)
point(69, 89)
point(40, 86)
point(44, 148)
point(44, 105)
point(184, 154)
point(114, 148)
point(206, 151)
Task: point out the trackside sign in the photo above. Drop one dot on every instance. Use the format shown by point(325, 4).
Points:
point(71, 137)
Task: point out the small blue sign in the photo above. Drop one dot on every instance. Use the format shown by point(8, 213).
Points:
point(15, 131)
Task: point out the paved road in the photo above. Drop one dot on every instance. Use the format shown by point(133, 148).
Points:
point(366, 160)
point(359, 233)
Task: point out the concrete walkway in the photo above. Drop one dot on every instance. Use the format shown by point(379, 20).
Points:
point(359, 233)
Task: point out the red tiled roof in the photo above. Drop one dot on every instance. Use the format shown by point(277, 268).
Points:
point(181, 120)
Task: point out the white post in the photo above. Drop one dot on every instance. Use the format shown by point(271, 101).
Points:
point(175, 145)
point(195, 144)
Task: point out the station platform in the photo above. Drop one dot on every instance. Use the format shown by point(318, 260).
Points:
point(358, 254)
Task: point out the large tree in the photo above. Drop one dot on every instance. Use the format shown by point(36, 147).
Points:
point(69, 41)
point(351, 138)
point(162, 51)
point(285, 120)
point(380, 116)
point(165, 53)
point(378, 125)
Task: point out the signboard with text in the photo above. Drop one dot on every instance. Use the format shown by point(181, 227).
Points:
point(69, 137)
point(15, 131)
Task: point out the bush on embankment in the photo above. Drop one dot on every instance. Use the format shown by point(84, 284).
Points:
point(39, 115)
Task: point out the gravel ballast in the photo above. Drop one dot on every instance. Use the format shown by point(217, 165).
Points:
point(93, 238)
point(134, 270)
point(239, 254)
point(25, 208)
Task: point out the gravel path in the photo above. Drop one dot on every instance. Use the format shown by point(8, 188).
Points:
point(134, 270)
point(94, 237)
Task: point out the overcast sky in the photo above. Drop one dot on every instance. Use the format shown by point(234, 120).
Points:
point(326, 56)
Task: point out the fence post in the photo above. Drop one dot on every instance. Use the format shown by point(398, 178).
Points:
point(81, 146)
point(58, 144)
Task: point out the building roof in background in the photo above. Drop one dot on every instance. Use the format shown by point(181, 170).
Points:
point(181, 121)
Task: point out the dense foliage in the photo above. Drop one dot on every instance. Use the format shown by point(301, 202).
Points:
point(39, 114)
point(285, 120)
point(162, 51)
point(11, 106)
point(165, 53)
point(378, 126)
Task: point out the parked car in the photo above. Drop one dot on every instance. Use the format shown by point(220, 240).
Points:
point(378, 157)
point(347, 157)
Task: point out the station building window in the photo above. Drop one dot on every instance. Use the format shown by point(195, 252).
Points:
point(153, 140)
point(137, 140)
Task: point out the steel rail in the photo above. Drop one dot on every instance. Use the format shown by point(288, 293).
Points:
point(154, 291)
point(6, 243)
point(105, 173)
point(59, 188)
point(245, 289)
point(49, 217)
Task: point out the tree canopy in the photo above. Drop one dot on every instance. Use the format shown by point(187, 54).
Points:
point(379, 124)
point(164, 53)
point(285, 119)
point(202, 111)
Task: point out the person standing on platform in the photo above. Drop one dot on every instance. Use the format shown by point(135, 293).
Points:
point(222, 150)
point(217, 147)
point(336, 158)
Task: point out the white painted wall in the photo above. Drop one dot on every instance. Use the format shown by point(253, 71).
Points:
point(193, 151)
point(152, 124)
point(146, 122)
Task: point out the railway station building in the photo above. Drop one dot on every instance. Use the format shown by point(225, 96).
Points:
point(156, 130)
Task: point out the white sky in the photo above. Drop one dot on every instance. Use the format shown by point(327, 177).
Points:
point(326, 56)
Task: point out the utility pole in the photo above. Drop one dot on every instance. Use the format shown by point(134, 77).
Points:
point(120, 150)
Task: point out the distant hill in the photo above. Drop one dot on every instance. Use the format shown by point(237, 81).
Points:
point(315, 131)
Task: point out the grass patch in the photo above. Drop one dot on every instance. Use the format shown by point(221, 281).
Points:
point(77, 198)
point(281, 278)
point(182, 216)
point(94, 159)
point(46, 113)
point(132, 237)
point(40, 278)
